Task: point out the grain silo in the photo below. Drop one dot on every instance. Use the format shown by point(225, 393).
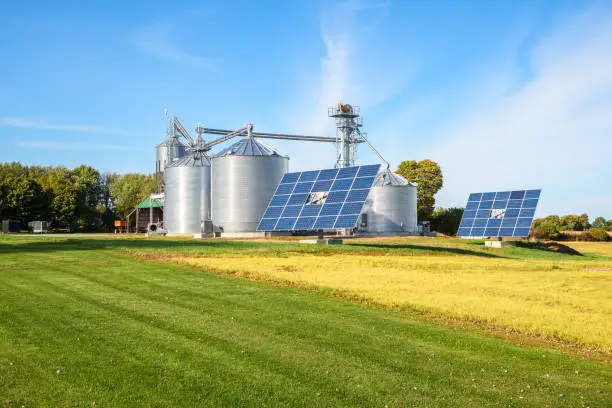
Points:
point(244, 177)
point(167, 152)
point(391, 205)
point(187, 194)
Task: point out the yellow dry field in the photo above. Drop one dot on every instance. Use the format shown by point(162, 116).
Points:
point(567, 300)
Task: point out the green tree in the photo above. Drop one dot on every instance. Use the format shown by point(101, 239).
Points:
point(428, 177)
point(609, 225)
point(60, 185)
point(21, 197)
point(546, 228)
point(599, 222)
point(128, 190)
point(446, 220)
point(574, 222)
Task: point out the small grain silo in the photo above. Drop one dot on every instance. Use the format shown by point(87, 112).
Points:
point(167, 152)
point(244, 178)
point(391, 205)
point(187, 194)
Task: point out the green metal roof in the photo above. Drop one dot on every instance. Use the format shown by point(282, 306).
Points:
point(151, 202)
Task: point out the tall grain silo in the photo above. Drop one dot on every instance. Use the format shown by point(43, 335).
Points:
point(187, 194)
point(391, 205)
point(167, 152)
point(244, 178)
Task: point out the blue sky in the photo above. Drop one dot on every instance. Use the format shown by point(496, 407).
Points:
point(503, 94)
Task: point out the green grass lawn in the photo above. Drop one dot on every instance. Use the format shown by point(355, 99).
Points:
point(84, 320)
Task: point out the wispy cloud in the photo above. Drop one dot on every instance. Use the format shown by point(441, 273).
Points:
point(156, 41)
point(355, 69)
point(56, 145)
point(41, 124)
point(552, 131)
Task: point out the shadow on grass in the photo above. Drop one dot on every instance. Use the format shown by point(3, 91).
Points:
point(552, 247)
point(425, 248)
point(84, 244)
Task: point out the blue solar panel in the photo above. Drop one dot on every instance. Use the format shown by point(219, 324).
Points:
point(267, 224)
point(305, 223)
point(352, 208)
point(273, 212)
point(488, 197)
point(311, 210)
point(370, 170)
point(309, 176)
point(285, 188)
point(515, 203)
point(279, 200)
point(358, 195)
point(363, 182)
point(321, 199)
point(331, 209)
point(347, 172)
point(518, 195)
point(297, 199)
point(512, 213)
point(499, 214)
point(342, 184)
point(303, 187)
point(346, 221)
point(290, 177)
point(325, 222)
point(285, 223)
point(323, 185)
point(500, 204)
point(485, 205)
point(337, 196)
point(328, 174)
point(480, 223)
point(292, 211)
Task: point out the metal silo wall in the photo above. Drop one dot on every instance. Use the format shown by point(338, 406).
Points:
point(161, 155)
point(392, 208)
point(187, 198)
point(242, 187)
point(166, 153)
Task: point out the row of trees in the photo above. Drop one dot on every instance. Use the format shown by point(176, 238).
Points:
point(79, 199)
point(554, 227)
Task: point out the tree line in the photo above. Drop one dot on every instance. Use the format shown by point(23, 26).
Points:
point(80, 199)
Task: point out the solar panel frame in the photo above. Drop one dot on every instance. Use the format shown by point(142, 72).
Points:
point(499, 214)
point(319, 199)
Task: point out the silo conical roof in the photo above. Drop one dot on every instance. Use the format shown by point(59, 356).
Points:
point(248, 146)
point(388, 178)
point(191, 160)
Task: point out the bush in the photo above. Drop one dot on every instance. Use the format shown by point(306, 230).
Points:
point(446, 220)
point(546, 229)
point(596, 234)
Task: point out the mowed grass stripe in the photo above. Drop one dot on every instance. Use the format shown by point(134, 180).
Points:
point(296, 345)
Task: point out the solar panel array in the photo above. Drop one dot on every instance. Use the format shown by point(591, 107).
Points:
point(319, 199)
point(499, 214)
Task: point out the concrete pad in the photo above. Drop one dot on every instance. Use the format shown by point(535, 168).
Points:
point(499, 244)
point(330, 241)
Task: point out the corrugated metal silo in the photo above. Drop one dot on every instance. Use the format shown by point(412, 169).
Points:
point(244, 177)
point(187, 194)
point(391, 205)
point(167, 152)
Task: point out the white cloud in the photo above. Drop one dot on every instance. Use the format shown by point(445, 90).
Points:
point(56, 145)
point(156, 40)
point(355, 69)
point(41, 124)
point(552, 132)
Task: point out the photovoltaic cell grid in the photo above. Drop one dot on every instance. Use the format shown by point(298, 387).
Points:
point(499, 214)
point(319, 199)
